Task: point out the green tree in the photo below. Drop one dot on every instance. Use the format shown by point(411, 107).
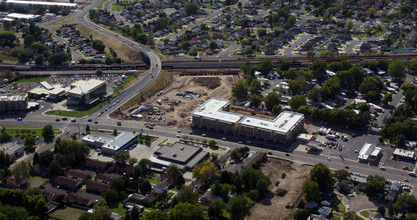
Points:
point(87, 129)
point(58, 58)
point(405, 204)
point(99, 45)
point(387, 98)
point(255, 87)
point(411, 217)
point(213, 45)
point(39, 60)
point(322, 175)
point(54, 168)
point(46, 157)
point(239, 207)
point(176, 174)
point(318, 67)
point(375, 184)
point(216, 208)
point(341, 174)
point(212, 143)
point(191, 8)
point(266, 66)
point(255, 100)
point(29, 39)
point(145, 187)
point(314, 94)
point(146, 165)
point(311, 191)
point(111, 196)
point(121, 156)
point(301, 214)
point(21, 170)
point(296, 101)
point(206, 172)
point(271, 100)
point(187, 211)
point(35, 159)
point(397, 69)
point(381, 210)
point(186, 194)
point(30, 142)
point(155, 214)
point(7, 38)
point(240, 90)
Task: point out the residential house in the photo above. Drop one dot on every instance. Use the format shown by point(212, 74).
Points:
point(123, 168)
point(78, 175)
point(54, 195)
point(82, 199)
point(207, 198)
point(15, 182)
point(106, 178)
point(39, 170)
point(326, 211)
point(391, 195)
point(96, 164)
point(160, 188)
point(96, 186)
point(142, 199)
point(66, 182)
point(316, 217)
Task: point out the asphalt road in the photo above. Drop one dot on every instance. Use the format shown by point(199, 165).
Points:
point(144, 82)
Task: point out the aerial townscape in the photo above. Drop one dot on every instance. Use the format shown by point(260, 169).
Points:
point(208, 109)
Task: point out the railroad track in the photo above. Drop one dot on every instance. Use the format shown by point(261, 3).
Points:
point(201, 64)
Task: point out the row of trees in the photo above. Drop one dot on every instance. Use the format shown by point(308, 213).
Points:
point(15, 204)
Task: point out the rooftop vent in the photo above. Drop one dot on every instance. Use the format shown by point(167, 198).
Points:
point(174, 154)
point(182, 148)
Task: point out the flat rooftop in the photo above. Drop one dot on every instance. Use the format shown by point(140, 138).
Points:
point(94, 138)
point(403, 153)
point(85, 86)
point(177, 152)
point(42, 3)
point(20, 97)
point(120, 141)
point(21, 16)
point(281, 124)
point(10, 148)
point(365, 151)
point(212, 109)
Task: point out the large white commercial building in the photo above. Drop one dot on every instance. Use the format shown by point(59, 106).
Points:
point(46, 4)
point(86, 92)
point(121, 142)
point(28, 17)
point(213, 114)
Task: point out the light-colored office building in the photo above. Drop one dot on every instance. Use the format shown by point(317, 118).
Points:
point(86, 92)
point(121, 142)
point(283, 129)
point(369, 153)
point(46, 4)
point(14, 150)
point(13, 102)
point(28, 17)
point(213, 114)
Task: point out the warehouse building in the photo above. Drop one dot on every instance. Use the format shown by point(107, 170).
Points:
point(27, 17)
point(46, 4)
point(283, 129)
point(214, 115)
point(185, 156)
point(13, 102)
point(86, 92)
point(121, 142)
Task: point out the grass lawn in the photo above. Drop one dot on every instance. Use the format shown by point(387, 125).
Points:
point(101, 3)
point(337, 216)
point(32, 79)
point(141, 140)
point(379, 33)
point(68, 213)
point(7, 58)
point(39, 178)
point(154, 181)
point(365, 213)
point(28, 131)
point(62, 21)
point(116, 7)
point(341, 207)
point(76, 113)
point(119, 209)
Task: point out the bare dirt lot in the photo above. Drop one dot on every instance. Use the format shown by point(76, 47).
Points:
point(182, 96)
point(287, 192)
